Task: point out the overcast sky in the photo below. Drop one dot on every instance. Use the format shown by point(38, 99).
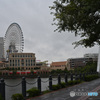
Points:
point(35, 20)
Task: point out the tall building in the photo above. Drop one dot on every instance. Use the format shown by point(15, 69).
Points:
point(94, 56)
point(1, 47)
point(78, 62)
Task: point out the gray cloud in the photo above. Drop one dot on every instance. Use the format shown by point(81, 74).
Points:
point(35, 20)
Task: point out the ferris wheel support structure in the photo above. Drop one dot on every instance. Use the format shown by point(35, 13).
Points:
point(14, 40)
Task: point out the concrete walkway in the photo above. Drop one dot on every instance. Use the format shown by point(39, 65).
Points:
point(64, 94)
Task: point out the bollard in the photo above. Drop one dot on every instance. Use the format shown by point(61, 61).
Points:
point(71, 77)
point(39, 83)
point(23, 87)
point(2, 88)
point(50, 82)
point(59, 79)
point(66, 79)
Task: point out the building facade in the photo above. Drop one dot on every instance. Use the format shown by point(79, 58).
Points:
point(24, 61)
point(2, 65)
point(1, 48)
point(59, 65)
point(94, 56)
point(78, 62)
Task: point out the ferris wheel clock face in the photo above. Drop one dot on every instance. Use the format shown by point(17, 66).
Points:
point(14, 41)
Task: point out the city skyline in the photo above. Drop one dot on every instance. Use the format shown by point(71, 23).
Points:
point(36, 23)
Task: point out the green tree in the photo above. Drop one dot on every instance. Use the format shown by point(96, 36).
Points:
point(79, 16)
point(90, 67)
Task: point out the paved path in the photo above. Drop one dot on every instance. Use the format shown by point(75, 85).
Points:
point(64, 94)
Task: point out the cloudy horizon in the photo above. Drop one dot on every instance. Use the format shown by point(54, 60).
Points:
point(35, 20)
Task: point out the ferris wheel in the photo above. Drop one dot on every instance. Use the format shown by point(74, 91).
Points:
point(14, 40)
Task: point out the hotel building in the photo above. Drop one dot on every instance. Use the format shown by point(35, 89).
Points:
point(24, 61)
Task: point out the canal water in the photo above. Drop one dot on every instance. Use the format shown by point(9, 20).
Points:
point(10, 90)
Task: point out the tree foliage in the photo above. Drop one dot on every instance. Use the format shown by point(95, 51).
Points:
point(79, 16)
point(90, 67)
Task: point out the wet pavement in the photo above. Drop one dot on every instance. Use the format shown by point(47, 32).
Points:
point(67, 94)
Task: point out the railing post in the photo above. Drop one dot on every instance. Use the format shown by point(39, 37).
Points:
point(39, 83)
point(50, 82)
point(59, 79)
point(71, 77)
point(2, 88)
point(23, 87)
point(66, 79)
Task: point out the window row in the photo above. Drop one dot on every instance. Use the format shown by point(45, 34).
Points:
point(22, 64)
point(22, 60)
point(22, 55)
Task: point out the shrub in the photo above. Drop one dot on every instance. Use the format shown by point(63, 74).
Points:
point(46, 91)
point(17, 97)
point(70, 82)
point(74, 82)
point(56, 87)
point(63, 84)
point(33, 92)
point(1, 97)
point(91, 77)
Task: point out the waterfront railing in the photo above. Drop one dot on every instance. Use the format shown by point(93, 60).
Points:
point(76, 76)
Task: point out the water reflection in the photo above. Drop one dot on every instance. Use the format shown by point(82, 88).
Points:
point(30, 81)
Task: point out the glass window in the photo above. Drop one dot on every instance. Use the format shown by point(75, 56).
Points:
point(18, 62)
point(22, 64)
point(15, 62)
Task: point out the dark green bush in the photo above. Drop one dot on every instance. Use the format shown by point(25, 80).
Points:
point(17, 97)
point(1, 97)
point(46, 91)
point(70, 82)
point(63, 84)
point(91, 77)
point(74, 82)
point(33, 92)
point(56, 87)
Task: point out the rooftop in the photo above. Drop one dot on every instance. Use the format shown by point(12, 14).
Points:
point(58, 63)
